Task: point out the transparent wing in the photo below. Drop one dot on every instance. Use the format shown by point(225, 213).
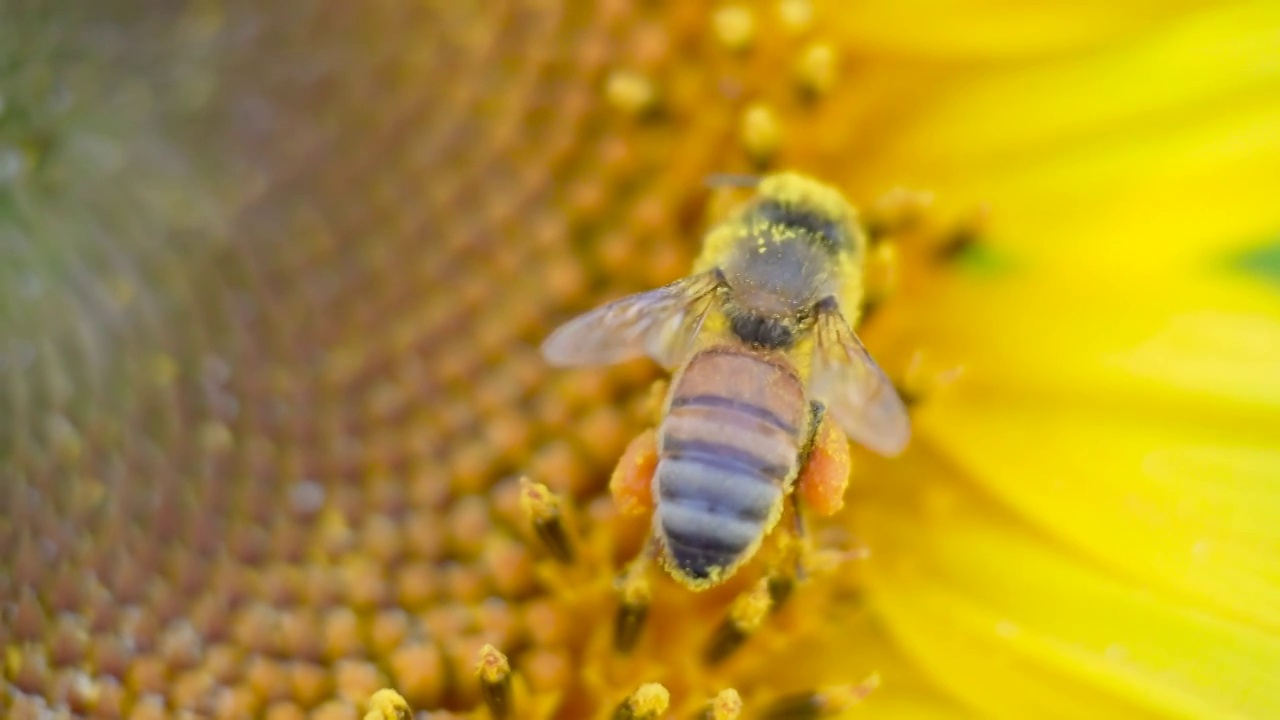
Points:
point(659, 323)
point(856, 391)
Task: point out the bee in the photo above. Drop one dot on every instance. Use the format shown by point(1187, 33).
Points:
point(760, 343)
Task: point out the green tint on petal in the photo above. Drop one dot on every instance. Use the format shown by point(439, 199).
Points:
point(1262, 261)
point(984, 260)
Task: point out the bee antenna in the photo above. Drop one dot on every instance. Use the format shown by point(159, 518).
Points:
point(719, 180)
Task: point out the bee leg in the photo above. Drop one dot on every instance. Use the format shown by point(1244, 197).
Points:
point(632, 487)
point(801, 534)
point(824, 474)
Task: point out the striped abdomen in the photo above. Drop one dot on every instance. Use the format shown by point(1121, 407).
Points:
point(727, 446)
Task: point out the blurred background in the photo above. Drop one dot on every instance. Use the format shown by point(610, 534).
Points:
point(273, 276)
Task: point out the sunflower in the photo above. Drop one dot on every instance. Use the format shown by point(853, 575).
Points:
point(277, 441)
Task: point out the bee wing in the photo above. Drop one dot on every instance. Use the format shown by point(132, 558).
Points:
point(659, 323)
point(855, 390)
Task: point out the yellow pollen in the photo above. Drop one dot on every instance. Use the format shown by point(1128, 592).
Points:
point(493, 666)
point(725, 706)
point(634, 587)
point(537, 500)
point(387, 704)
point(796, 15)
point(647, 702)
point(842, 697)
point(630, 92)
point(816, 68)
point(750, 609)
point(735, 27)
point(761, 133)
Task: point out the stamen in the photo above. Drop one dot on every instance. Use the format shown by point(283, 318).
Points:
point(631, 92)
point(735, 27)
point(543, 509)
point(882, 273)
point(811, 705)
point(387, 704)
point(964, 236)
point(786, 570)
point(633, 607)
point(816, 70)
point(494, 672)
point(647, 703)
point(761, 133)
point(725, 706)
point(897, 211)
point(781, 586)
point(745, 617)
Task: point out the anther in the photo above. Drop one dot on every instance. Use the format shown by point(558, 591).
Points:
point(899, 210)
point(745, 616)
point(544, 512)
point(816, 70)
point(822, 703)
point(761, 133)
point(649, 701)
point(631, 92)
point(796, 15)
point(735, 27)
point(725, 706)
point(387, 704)
point(964, 235)
point(786, 570)
point(494, 672)
point(633, 607)
point(781, 586)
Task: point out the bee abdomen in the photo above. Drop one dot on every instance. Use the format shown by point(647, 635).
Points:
point(720, 480)
point(727, 448)
point(715, 501)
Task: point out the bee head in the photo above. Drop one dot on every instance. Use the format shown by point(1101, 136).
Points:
point(792, 245)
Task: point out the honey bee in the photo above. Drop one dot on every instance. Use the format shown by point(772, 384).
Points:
point(760, 343)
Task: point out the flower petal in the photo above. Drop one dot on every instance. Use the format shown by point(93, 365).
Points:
point(981, 30)
point(1016, 627)
point(1160, 150)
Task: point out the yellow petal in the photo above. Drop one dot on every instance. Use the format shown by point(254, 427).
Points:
point(1018, 628)
point(1114, 337)
point(1160, 150)
point(1184, 504)
point(1144, 436)
point(982, 30)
